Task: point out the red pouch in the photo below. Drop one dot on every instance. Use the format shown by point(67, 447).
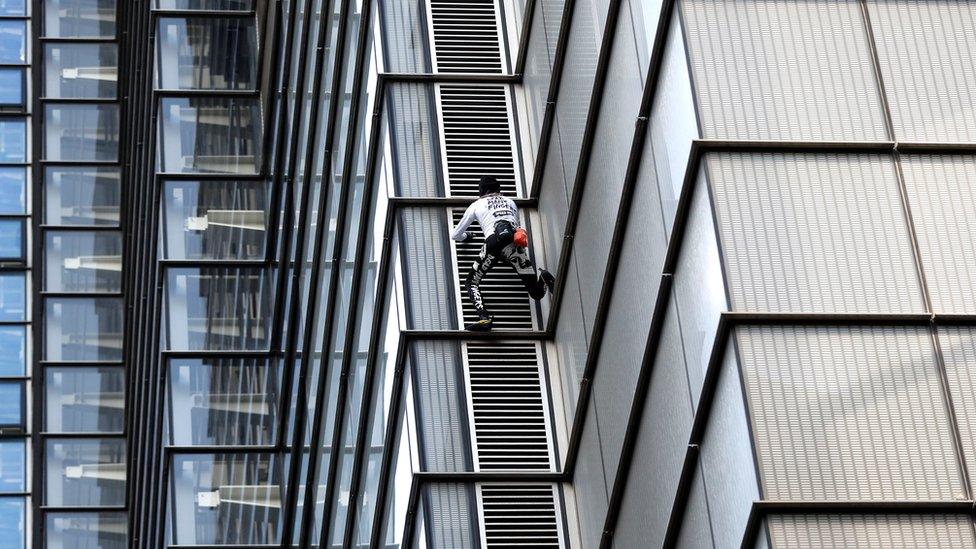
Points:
point(521, 238)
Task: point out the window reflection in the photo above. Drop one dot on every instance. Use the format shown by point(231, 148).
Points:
point(82, 196)
point(13, 350)
point(13, 42)
point(81, 132)
point(215, 219)
point(218, 308)
point(225, 499)
point(11, 87)
point(207, 53)
point(13, 190)
point(80, 71)
point(12, 247)
point(13, 465)
point(210, 135)
point(85, 530)
point(83, 261)
point(84, 399)
point(13, 7)
point(13, 522)
point(12, 404)
point(13, 296)
point(89, 472)
point(13, 141)
point(222, 401)
point(79, 18)
point(225, 5)
point(81, 328)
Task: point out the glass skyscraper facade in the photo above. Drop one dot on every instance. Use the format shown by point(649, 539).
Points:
point(231, 313)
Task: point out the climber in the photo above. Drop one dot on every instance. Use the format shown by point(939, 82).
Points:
point(505, 240)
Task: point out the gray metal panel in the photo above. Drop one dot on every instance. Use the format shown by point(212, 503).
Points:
point(537, 76)
point(888, 531)
point(699, 290)
point(696, 531)
point(427, 265)
point(927, 58)
point(660, 448)
point(413, 126)
point(404, 31)
point(553, 204)
point(814, 233)
point(448, 514)
point(644, 15)
point(943, 203)
point(731, 490)
point(608, 164)
point(570, 342)
point(441, 412)
point(766, 69)
point(589, 483)
point(848, 413)
point(959, 349)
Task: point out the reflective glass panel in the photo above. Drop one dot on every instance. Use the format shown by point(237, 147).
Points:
point(12, 240)
point(87, 71)
point(210, 135)
point(13, 465)
point(81, 132)
point(223, 401)
point(83, 399)
point(79, 18)
point(13, 190)
point(13, 42)
point(215, 219)
point(218, 308)
point(83, 328)
point(84, 472)
point(13, 350)
point(11, 86)
point(207, 53)
point(224, 499)
point(11, 404)
point(13, 7)
point(85, 530)
point(13, 141)
point(81, 196)
point(83, 261)
point(13, 522)
point(224, 5)
point(13, 296)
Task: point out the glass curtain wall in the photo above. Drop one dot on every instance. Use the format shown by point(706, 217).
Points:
point(16, 373)
point(81, 398)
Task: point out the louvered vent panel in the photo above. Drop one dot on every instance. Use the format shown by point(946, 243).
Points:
point(520, 515)
point(477, 137)
point(465, 36)
point(502, 291)
point(508, 406)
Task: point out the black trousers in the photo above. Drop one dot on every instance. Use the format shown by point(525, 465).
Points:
point(499, 247)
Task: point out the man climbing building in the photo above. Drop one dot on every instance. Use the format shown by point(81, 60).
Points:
point(505, 240)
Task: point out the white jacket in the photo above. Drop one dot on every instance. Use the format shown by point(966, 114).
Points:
point(488, 210)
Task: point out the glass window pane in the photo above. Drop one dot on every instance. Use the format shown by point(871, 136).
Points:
point(207, 53)
point(83, 262)
point(81, 132)
point(215, 219)
point(80, 71)
point(84, 472)
point(222, 498)
point(222, 401)
point(12, 240)
point(79, 18)
point(224, 5)
point(13, 190)
point(13, 42)
point(13, 296)
point(13, 465)
point(82, 196)
point(11, 86)
point(13, 522)
point(83, 328)
point(13, 141)
point(218, 308)
point(11, 404)
point(81, 399)
point(13, 350)
point(13, 7)
point(85, 530)
point(210, 135)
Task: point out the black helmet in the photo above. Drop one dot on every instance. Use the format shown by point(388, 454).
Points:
point(488, 185)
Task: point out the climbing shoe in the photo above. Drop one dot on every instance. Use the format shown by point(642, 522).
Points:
point(548, 279)
point(483, 324)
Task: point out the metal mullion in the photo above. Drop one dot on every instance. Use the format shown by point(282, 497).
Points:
point(80, 228)
point(45, 294)
point(215, 93)
point(528, 14)
point(77, 40)
point(410, 517)
point(81, 435)
point(266, 355)
point(81, 364)
point(204, 176)
point(156, 13)
point(15, 322)
point(221, 449)
point(79, 101)
point(35, 151)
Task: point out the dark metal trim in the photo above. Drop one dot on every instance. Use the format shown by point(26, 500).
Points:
point(528, 16)
point(449, 78)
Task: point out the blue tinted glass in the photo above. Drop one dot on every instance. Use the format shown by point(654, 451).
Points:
point(13, 298)
point(12, 466)
point(13, 190)
point(11, 393)
point(13, 141)
point(13, 522)
point(13, 350)
point(13, 42)
point(13, 7)
point(11, 239)
point(11, 87)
